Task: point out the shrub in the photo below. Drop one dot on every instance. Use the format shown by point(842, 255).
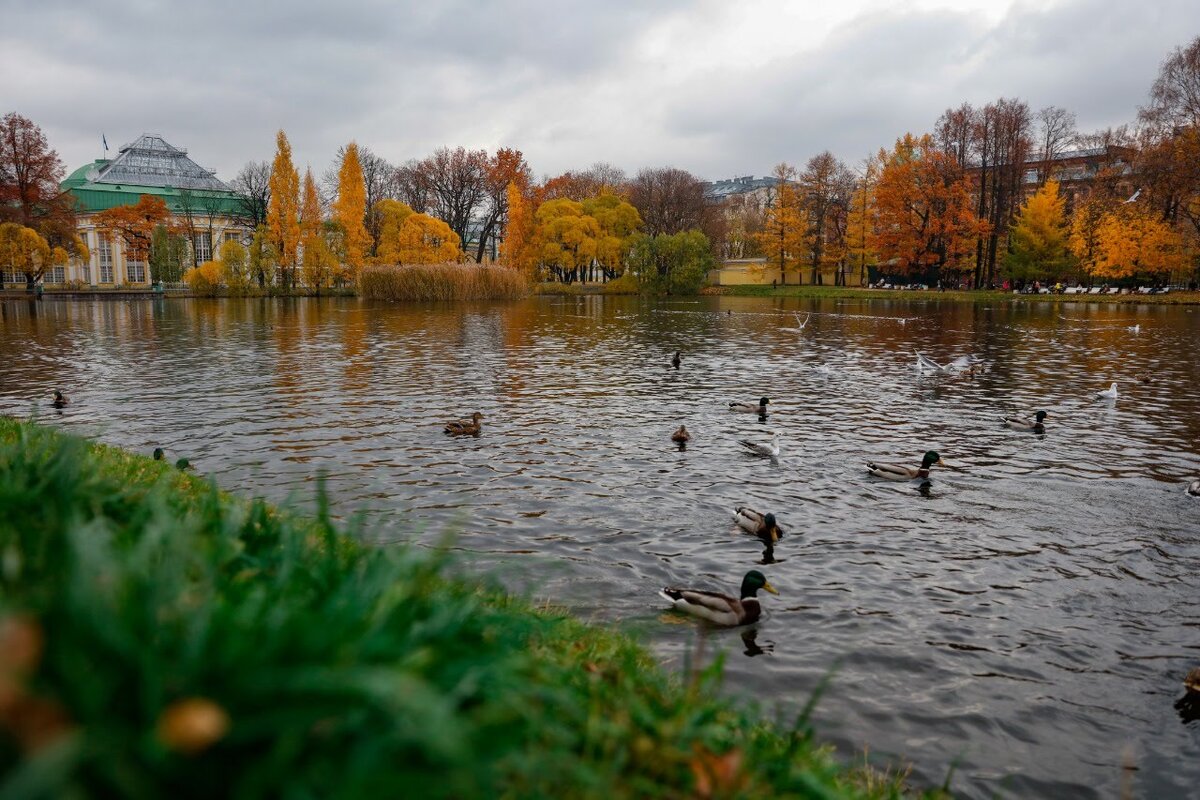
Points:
point(626, 284)
point(204, 280)
point(441, 282)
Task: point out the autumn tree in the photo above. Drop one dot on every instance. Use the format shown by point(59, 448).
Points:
point(923, 219)
point(618, 221)
point(785, 235)
point(283, 210)
point(235, 268)
point(29, 171)
point(319, 263)
point(450, 185)
point(252, 185)
point(580, 185)
point(516, 248)
point(310, 208)
point(423, 239)
point(379, 183)
point(391, 214)
point(1133, 240)
point(565, 239)
point(672, 263)
point(1056, 132)
point(262, 259)
point(1040, 237)
point(860, 223)
point(168, 254)
point(825, 187)
point(350, 209)
point(135, 225)
point(24, 251)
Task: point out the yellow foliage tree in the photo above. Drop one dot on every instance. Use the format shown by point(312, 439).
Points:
point(1133, 240)
point(860, 221)
point(619, 221)
point(565, 238)
point(23, 250)
point(320, 263)
point(1040, 236)
point(515, 247)
point(310, 208)
point(283, 212)
point(205, 279)
point(350, 209)
point(426, 240)
point(391, 215)
point(785, 238)
point(234, 268)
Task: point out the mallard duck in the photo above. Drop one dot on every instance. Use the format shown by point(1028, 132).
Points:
point(896, 472)
point(1192, 681)
point(721, 609)
point(1143, 377)
point(763, 526)
point(760, 409)
point(1107, 394)
point(183, 465)
point(159, 455)
point(680, 436)
point(60, 399)
point(771, 450)
point(675, 362)
point(465, 427)
point(1193, 488)
point(1034, 423)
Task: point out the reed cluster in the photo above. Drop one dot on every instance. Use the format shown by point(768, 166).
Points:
point(442, 282)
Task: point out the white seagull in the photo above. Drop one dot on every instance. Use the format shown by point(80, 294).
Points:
point(1107, 394)
point(757, 449)
point(927, 364)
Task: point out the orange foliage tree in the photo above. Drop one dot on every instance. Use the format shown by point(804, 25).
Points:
point(1132, 240)
point(283, 211)
point(516, 250)
point(134, 225)
point(350, 210)
point(785, 237)
point(923, 217)
point(391, 215)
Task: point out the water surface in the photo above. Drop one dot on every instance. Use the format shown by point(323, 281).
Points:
point(1028, 617)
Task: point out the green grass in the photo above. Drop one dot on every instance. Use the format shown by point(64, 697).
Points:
point(160, 638)
point(988, 297)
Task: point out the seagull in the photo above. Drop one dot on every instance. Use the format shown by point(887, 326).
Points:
point(1134, 197)
point(1107, 394)
point(1136, 328)
point(771, 450)
point(926, 364)
point(1193, 488)
point(805, 322)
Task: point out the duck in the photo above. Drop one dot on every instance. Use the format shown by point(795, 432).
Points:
point(1034, 423)
point(465, 427)
point(763, 526)
point(1193, 488)
point(760, 409)
point(721, 609)
point(159, 455)
point(1191, 681)
point(681, 436)
point(60, 399)
point(675, 362)
point(183, 465)
point(1143, 377)
point(896, 472)
point(757, 449)
point(1107, 394)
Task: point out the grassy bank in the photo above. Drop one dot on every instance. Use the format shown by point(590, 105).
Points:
point(442, 282)
point(159, 638)
point(988, 297)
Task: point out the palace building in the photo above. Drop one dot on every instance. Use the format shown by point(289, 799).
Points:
point(204, 207)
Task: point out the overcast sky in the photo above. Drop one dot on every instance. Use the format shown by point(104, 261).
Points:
point(715, 87)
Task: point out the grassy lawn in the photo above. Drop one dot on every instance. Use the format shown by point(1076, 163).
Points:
point(161, 638)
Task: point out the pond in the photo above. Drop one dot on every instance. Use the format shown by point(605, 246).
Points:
point(1027, 616)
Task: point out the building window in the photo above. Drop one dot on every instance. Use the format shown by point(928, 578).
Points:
point(104, 250)
point(135, 271)
point(202, 243)
point(85, 272)
point(56, 274)
point(233, 236)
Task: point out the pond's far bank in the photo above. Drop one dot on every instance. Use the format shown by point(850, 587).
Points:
point(955, 296)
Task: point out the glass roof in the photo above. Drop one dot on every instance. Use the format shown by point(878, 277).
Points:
point(151, 161)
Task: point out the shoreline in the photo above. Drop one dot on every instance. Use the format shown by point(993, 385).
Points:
point(990, 297)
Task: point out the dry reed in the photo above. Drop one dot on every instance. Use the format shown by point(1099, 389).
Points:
point(442, 282)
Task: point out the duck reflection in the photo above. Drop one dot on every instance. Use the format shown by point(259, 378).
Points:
point(750, 639)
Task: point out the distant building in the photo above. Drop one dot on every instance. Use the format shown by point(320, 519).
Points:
point(205, 207)
point(719, 191)
point(1075, 170)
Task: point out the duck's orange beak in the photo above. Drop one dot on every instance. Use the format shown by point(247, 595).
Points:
point(770, 588)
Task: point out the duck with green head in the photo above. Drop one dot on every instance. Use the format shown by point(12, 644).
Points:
point(898, 472)
point(763, 526)
point(760, 409)
point(1036, 423)
point(721, 609)
point(60, 399)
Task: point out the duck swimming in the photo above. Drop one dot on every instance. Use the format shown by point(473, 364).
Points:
point(760, 409)
point(1193, 488)
point(763, 526)
point(675, 362)
point(465, 427)
point(897, 472)
point(721, 609)
point(1033, 423)
point(60, 399)
point(681, 436)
